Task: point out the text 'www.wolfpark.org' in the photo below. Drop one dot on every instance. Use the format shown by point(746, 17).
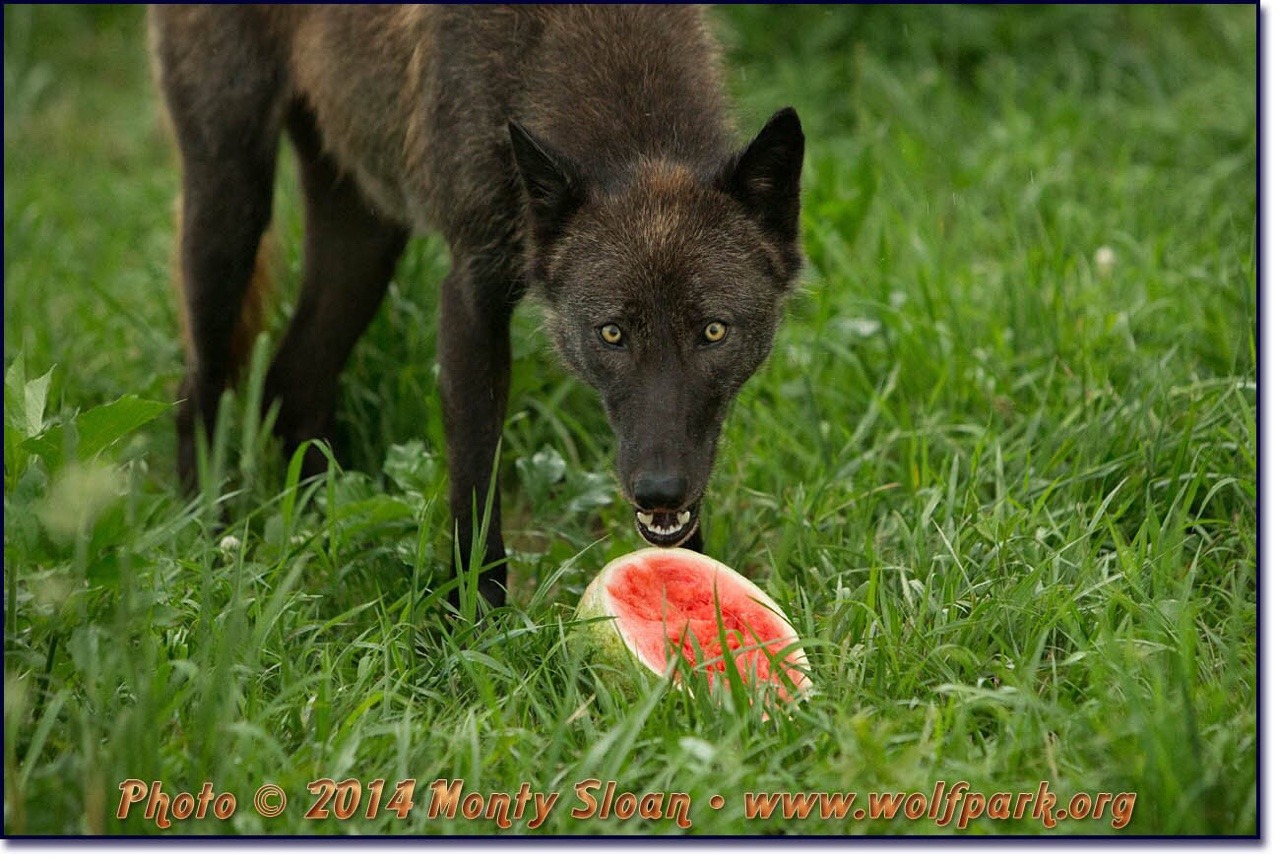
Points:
point(945, 806)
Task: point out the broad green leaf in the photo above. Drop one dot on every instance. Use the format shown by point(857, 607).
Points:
point(97, 428)
point(24, 400)
point(36, 394)
point(15, 384)
point(540, 472)
point(410, 465)
point(102, 426)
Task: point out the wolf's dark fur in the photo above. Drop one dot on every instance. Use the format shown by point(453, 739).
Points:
point(584, 152)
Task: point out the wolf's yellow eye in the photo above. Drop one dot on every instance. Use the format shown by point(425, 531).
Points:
point(611, 334)
point(715, 331)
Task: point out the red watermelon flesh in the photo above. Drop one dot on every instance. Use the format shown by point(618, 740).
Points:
point(663, 603)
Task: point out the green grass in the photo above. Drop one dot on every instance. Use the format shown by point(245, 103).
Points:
point(1000, 470)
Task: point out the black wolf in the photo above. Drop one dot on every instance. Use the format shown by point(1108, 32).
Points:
point(583, 153)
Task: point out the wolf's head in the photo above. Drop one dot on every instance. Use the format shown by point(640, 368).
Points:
point(663, 289)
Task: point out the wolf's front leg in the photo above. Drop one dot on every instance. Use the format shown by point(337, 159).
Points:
point(475, 373)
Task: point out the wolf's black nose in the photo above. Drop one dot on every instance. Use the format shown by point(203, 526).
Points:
point(654, 490)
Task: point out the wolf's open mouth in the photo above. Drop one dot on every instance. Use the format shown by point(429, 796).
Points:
point(667, 528)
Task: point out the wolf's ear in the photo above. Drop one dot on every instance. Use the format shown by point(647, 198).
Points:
point(765, 177)
point(555, 188)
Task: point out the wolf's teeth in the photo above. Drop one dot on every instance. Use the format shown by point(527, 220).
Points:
point(665, 525)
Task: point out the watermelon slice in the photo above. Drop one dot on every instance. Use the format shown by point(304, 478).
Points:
point(658, 605)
